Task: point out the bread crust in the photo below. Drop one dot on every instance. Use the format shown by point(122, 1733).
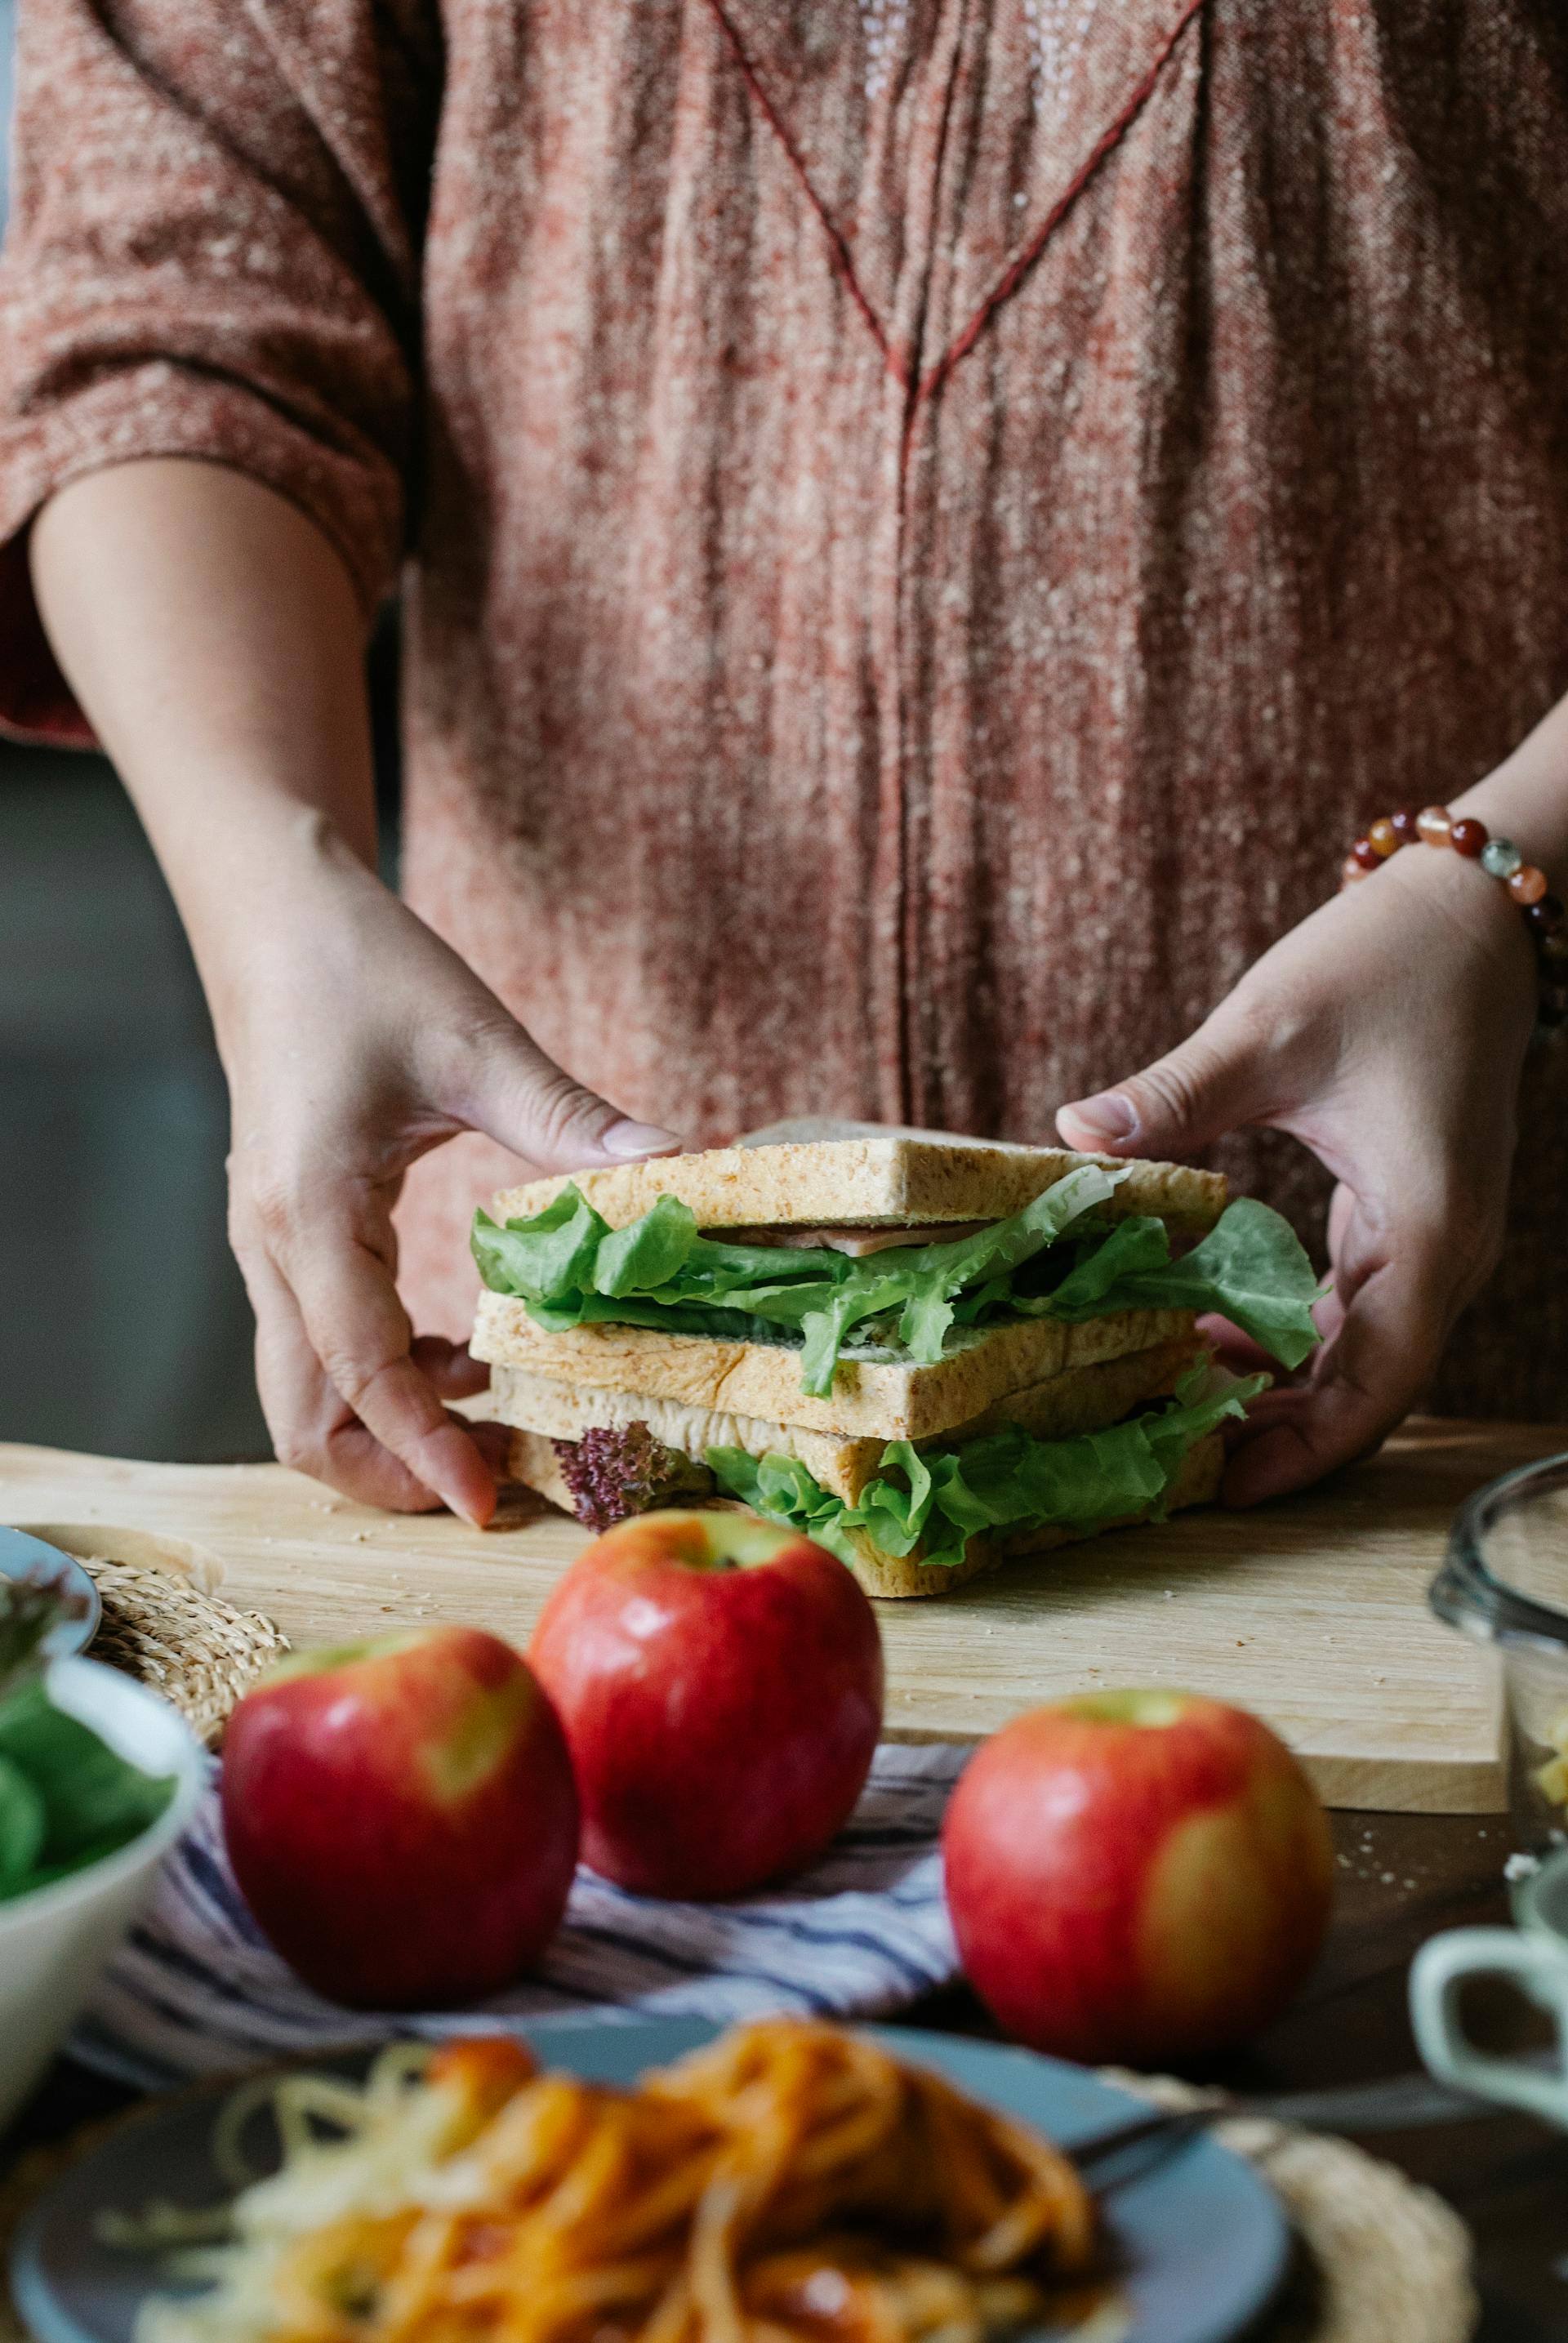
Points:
point(532, 1460)
point(871, 1398)
point(1084, 1399)
point(867, 1183)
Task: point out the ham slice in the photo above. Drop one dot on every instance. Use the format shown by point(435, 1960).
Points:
point(854, 1241)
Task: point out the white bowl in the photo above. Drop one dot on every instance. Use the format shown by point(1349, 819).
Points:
point(55, 1941)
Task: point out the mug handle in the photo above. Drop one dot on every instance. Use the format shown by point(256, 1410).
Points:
point(1437, 1973)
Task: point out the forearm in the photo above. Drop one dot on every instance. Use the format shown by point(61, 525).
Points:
point(214, 638)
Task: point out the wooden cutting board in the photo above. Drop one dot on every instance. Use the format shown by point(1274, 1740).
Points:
point(1313, 1612)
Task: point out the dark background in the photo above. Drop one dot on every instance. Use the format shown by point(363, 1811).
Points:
point(125, 1324)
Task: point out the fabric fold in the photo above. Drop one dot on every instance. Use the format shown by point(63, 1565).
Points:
point(197, 1991)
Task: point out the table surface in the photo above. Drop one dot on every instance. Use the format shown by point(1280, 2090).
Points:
point(1400, 1878)
point(1310, 1611)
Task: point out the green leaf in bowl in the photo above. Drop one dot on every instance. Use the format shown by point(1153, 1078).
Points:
point(23, 1827)
point(91, 1800)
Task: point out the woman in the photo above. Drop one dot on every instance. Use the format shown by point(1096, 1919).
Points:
point(926, 529)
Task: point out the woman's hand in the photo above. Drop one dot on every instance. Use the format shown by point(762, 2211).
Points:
point(355, 1041)
point(1387, 1033)
point(214, 636)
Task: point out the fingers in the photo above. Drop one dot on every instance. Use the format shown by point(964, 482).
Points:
point(323, 1132)
point(498, 1080)
point(494, 1442)
point(355, 1410)
point(451, 1367)
point(312, 1430)
point(1371, 1373)
point(1233, 1349)
point(359, 1330)
point(1217, 1079)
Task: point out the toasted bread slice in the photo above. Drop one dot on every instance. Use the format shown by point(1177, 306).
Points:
point(533, 1460)
point(868, 1183)
point(875, 1397)
point(542, 1411)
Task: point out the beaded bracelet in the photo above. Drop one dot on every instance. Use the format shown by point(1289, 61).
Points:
point(1501, 858)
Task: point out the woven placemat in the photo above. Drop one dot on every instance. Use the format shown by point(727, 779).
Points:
point(163, 1624)
point(1378, 2260)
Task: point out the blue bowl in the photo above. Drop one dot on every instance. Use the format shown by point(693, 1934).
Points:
point(22, 1556)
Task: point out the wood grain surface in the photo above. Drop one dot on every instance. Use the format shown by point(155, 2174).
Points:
point(1313, 1610)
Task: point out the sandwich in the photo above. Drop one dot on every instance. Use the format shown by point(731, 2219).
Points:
point(927, 1355)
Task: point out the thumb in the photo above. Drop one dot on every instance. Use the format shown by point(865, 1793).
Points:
point(1195, 1093)
point(514, 1093)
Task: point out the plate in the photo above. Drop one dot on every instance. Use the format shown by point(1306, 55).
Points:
point(22, 1556)
point(1201, 2241)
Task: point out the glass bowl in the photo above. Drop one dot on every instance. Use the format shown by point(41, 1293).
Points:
point(1505, 1582)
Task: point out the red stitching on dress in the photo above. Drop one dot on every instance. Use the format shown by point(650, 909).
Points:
point(1017, 269)
point(843, 259)
point(1012, 276)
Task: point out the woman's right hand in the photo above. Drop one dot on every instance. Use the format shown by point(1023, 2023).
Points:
point(355, 1041)
point(214, 636)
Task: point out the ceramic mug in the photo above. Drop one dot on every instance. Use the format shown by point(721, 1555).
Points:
point(1534, 1955)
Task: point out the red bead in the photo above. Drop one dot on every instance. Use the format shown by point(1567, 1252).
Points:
point(1366, 854)
point(1350, 871)
point(1468, 838)
point(1435, 822)
point(1380, 836)
point(1402, 823)
point(1547, 916)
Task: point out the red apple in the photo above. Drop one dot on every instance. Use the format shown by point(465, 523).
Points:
point(1137, 1875)
point(401, 1816)
point(720, 1685)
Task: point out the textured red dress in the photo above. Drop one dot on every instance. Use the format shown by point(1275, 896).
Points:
point(927, 524)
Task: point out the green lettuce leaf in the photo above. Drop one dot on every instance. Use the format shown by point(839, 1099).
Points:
point(1250, 1267)
point(23, 1827)
point(572, 1270)
point(781, 1490)
point(66, 1799)
point(649, 1254)
point(543, 1259)
point(1008, 1480)
point(932, 1275)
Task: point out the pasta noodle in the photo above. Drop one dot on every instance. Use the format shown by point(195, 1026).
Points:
point(790, 2184)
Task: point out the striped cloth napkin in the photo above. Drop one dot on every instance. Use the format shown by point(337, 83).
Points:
point(196, 1991)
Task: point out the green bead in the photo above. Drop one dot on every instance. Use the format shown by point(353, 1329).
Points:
point(1500, 858)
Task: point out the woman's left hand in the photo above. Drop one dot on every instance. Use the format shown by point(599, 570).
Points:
point(1387, 1032)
